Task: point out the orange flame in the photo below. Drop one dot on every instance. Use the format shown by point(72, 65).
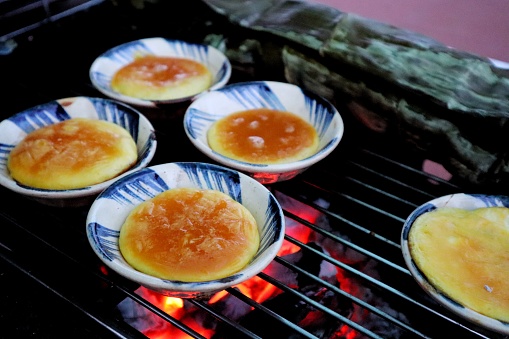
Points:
point(255, 288)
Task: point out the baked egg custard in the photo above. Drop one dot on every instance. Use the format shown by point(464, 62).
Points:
point(72, 154)
point(263, 136)
point(189, 234)
point(465, 255)
point(153, 77)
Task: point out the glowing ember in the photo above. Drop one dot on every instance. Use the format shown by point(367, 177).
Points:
point(257, 289)
point(172, 306)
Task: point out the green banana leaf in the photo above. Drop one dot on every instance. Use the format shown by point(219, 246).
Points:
point(450, 103)
point(459, 80)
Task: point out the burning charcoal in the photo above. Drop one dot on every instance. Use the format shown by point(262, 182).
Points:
point(311, 263)
point(297, 311)
point(232, 307)
point(293, 308)
point(138, 317)
point(261, 323)
point(321, 325)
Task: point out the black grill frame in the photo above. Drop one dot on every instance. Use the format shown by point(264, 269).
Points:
point(371, 181)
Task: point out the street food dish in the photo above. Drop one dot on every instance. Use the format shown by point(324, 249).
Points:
point(200, 181)
point(144, 72)
point(263, 136)
point(71, 154)
point(153, 77)
point(71, 188)
point(189, 234)
point(456, 248)
point(321, 128)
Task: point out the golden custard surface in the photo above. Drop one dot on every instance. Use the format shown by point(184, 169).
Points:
point(153, 77)
point(189, 234)
point(263, 136)
point(71, 154)
point(465, 254)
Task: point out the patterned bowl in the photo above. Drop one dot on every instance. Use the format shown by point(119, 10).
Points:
point(214, 105)
point(103, 227)
point(15, 128)
point(107, 64)
point(466, 202)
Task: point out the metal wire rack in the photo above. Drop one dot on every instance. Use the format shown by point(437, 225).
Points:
point(344, 279)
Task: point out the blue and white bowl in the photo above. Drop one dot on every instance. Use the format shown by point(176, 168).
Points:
point(107, 64)
point(103, 226)
point(458, 200)
point(15, 128)
point(316, 110)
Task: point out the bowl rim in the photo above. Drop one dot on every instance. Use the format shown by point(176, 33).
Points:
point(108, 91)
point(8, 182)
point(470, 201)
point(173, 287)
point(268, 168)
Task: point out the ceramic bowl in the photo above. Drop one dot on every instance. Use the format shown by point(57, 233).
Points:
point(316, 110)
point(15, 128)
point(463, 201)
point(107, 64)
point(103, 227)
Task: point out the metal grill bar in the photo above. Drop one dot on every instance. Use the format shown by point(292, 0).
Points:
point(221, 317)
point(320, 307)
point(361, 195)
point(351, 297)
point(267, 310)
point(346, 242)
point(366, 230)
point(23, 17)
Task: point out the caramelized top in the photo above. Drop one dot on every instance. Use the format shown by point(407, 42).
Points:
point(72, 153)
point(263, 136)
point(190, 235)
point(158, 71)
point(465, 255)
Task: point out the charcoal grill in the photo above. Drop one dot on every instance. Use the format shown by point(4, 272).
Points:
point(53, 285)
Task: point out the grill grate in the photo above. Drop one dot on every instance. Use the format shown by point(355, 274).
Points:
point(21, 17)
point(360, 196)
